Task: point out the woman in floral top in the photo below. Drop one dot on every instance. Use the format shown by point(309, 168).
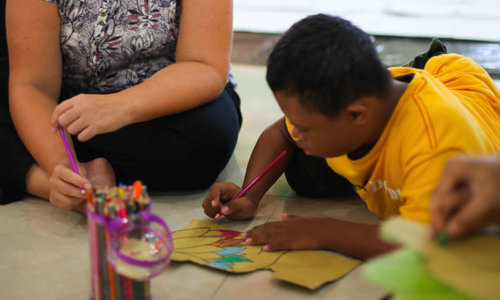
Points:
point(142, 87)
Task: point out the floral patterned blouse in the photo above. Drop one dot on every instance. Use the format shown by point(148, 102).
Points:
point(111, 45)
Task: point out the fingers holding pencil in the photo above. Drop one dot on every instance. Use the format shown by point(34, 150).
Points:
point(238, 209)
point(65, 187)
point(219, 194)
point(227, 199)
point(222, 201)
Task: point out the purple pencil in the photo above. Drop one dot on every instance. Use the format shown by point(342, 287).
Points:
point(68, 150)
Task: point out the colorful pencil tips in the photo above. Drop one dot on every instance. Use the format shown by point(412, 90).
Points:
point(137, 189)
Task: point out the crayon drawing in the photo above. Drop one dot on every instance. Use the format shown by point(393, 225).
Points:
point(216, 246)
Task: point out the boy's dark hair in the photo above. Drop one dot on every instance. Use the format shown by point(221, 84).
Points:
point(327, 62)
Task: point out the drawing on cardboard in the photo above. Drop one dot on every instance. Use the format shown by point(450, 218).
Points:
point(216, 246)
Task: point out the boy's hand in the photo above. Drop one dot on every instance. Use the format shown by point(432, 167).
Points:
point(221, 199)
point(293, 233)
point(467, 197)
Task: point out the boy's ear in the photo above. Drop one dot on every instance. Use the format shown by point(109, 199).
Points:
point(358, 111)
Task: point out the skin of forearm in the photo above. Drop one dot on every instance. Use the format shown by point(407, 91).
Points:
point(31, 110)
point(179, 87)
point(269, 145)
point(353, 239)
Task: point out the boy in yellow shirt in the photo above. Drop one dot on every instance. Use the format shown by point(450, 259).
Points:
point(388, 132)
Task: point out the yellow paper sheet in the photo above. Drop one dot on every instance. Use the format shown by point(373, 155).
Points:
point(470, 265)
point(216, 246)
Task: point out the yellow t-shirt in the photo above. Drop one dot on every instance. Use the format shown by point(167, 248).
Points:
point(451, 107)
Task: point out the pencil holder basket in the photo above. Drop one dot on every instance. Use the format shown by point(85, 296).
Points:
point(129, 245)
point(140, 248)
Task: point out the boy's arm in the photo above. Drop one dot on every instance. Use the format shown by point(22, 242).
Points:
point(270, 144)
point(293, 232)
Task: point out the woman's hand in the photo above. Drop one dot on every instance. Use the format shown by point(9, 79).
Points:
point(88, 115)
point(467, 197)
point(66, 186)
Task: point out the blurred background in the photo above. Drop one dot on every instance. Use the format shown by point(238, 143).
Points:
point(401, 30)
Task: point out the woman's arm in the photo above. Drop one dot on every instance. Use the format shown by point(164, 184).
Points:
point(197, 77)
point(201, 68)
point(35, 76)
point(34, 87)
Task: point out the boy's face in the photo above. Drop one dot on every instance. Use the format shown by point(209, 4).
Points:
point(318, 134)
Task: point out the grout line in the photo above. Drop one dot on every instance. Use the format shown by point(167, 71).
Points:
point(219, 287)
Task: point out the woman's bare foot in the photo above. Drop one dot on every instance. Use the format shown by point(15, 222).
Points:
point(37, 182)
point(100, 173)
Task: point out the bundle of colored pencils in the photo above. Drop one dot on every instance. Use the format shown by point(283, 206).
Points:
point(117, 202)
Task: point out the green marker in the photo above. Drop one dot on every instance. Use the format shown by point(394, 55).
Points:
point(442, 238)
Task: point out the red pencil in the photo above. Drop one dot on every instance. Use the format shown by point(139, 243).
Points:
point(255, 180)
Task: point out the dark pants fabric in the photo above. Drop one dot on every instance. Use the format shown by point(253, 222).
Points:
point(185, 151)
point(310, 176)
point(15, 160)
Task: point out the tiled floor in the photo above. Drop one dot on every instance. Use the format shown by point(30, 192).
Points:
point(45, 249)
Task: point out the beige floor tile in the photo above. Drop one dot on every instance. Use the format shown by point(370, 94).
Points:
point(345, 209)
point(258, 107)
point(44, 252)
point(187, 281)
point(259, 110)
point(261, 285)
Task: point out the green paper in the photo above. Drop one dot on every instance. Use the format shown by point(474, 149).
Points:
point(404, 274)
point(469, 265)
point(442, 238)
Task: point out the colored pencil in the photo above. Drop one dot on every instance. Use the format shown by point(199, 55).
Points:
point(108, 210)
point(255, 180)
point(94, 248)
point(70, 154)
point(68, 150)
point(101, 235)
